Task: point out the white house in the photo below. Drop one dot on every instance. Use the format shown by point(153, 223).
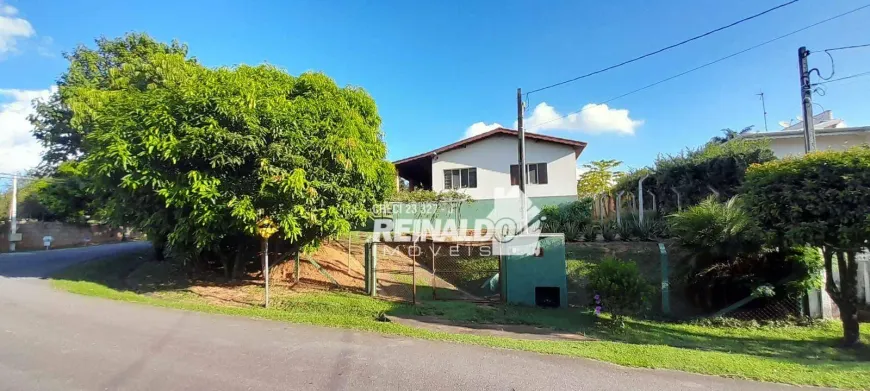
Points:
point(482, 164)
point(831, 133)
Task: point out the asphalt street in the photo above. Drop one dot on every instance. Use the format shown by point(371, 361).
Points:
point(52, 340)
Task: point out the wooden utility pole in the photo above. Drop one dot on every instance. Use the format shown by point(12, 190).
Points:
point(807, 101)
point(521, 159)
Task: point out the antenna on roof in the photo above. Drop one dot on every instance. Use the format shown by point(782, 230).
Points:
point(763, 108)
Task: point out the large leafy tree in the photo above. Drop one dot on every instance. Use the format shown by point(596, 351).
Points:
point(599, 177)
point(88, 67)
point(196, 156)
point(823, 200)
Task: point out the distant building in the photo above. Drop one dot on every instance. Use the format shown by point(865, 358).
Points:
point(831, 133)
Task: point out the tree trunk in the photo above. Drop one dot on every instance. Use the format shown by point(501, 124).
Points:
point(159, 250)
point(846, 294)
point(240, 261)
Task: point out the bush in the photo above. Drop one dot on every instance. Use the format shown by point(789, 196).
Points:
point(823, 200)
point(716, 231)
point(608, 230)
point(620, 288)
point(652, 227)
point(696, 172)
point(570, 218)
point(590, 232)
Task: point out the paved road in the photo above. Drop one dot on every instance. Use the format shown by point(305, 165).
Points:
point(51, 340)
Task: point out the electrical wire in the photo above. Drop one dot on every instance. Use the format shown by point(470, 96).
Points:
point(708, 64)
point(663, 49)
point(843, 78)
point(848, 47)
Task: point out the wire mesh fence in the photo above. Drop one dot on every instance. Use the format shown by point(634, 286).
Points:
point(436, 270)
point(768, 309)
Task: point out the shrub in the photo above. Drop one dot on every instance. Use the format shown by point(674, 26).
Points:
point(608, 230)
point(620, 288)
point(590, 232)
point(570, 218)
point(821, 199)
point(695, 173)
point(716, 231)
point(625, 230)
point(573, 231)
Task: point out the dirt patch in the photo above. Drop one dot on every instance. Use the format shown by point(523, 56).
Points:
point(492, 330)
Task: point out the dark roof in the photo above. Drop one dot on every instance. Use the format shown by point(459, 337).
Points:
point(577, 145)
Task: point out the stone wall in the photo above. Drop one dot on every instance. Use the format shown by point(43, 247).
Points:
point(63, 235)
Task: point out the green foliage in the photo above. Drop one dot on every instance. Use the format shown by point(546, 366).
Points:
point(620, 286)
point(590, 232)
point(822, 200)
point(424, 196)
point(599, 178)
point(716, 231)
point(729, 134)
point(196, 156)
point(66, 195)
point(89, 68)
point(653, 227)
point(609, 230)
point(696, 174)
point(570, 218)
point(29, 205)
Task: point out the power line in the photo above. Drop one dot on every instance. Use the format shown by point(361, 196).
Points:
point(709, 63)
point(664, 48)
point(848, 47)
point(843, 78)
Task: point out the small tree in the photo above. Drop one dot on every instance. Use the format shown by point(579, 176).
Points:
point(823, 200)
point(600, 177)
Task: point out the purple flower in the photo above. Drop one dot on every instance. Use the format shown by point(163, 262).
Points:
point(597, 297)
point(597, 310)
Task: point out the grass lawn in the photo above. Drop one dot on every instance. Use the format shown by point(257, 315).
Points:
point(795, 355)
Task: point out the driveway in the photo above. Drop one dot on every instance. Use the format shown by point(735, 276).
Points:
point(52, 340)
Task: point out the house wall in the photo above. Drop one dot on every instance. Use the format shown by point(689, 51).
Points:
point(493, 157)
point(794, 146)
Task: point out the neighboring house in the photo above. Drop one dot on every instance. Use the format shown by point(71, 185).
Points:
point(831, 133)
point(485, 165)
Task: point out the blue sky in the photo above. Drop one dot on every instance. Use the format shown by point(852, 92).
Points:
point(436, 68)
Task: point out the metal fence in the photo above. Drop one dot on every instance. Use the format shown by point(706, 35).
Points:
point(434, 270)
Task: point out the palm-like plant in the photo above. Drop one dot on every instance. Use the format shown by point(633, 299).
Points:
point(716, 231)
point(730, 134)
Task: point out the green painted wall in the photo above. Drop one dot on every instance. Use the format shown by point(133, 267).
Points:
point(524, 273)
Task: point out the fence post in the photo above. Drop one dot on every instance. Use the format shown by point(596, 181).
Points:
point(348, 251)
point(296, 268)
point(619, 207)
point(434, 277)
point(666, 286)
point(414, 274)
point(367, 260)
point(374, 269)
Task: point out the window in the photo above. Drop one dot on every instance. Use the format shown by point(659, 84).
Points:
point(461, 178)
point(537, 174)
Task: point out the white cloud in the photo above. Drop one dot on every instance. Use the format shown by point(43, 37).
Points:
point(12, 28)
point(479, 128)
point(19, 149)
point(593, 118)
